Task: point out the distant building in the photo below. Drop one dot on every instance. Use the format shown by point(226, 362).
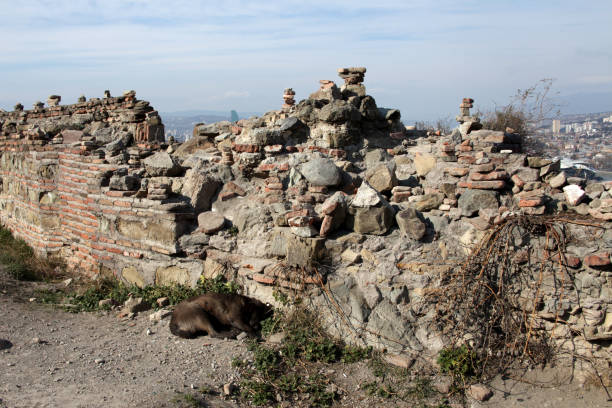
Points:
point(556, 126)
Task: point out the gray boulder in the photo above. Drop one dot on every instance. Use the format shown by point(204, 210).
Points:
point(200, 188)
point(471, 201)
point(338, 111)
point(321, 172)
point(382, 177)
point(429, 202)
point(124, 183)
point(370, 220)
point(210, 222)
point(410, 224)
point(162, 164)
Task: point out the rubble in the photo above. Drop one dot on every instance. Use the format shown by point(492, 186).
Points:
point(330, 190)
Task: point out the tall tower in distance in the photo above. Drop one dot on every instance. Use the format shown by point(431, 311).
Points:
point(556, 127)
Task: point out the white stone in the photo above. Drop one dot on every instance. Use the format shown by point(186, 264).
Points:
point(367, 196)
point(573, 194)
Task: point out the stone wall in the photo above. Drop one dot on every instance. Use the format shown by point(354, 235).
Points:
point(331, 199)
point(57, 188)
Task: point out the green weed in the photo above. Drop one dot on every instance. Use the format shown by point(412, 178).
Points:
point(20, 261)
point(459, 362)
point(111, 288)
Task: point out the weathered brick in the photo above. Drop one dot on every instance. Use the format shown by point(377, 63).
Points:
point(597, 259)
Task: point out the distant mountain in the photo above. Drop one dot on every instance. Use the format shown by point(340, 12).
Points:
point(585, 102)
point(180, 124)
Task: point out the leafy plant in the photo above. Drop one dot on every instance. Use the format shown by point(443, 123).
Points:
point(291, 367)
point(459, 362)
point(118, 292)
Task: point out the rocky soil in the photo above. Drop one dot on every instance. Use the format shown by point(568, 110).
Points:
point(51, 358)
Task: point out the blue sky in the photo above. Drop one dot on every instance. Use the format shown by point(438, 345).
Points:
point(422, 56)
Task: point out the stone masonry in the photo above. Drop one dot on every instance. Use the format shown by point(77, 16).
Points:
point(333, 190)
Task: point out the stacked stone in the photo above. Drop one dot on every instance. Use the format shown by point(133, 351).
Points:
point(158, 191)
point(467, 123)
point(484, 175)
point(82, 99)
point(447, 152)
point(288, 98)
point(227, 157)
point(134, 157)
point(130, 96)
point(54, 100)
point(88, 143)
point(38, 106)
point(353, 81)
point(491, 141)
point(328, 91)
point(400, 194)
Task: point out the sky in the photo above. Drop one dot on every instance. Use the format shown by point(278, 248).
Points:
point(422, 56)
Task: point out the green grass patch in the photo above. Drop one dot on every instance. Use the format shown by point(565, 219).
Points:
point(292, 369)
point(20, 261)
point(118, 292)
point(460, 363)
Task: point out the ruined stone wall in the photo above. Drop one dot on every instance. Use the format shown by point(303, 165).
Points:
point(331, 199)
point(56, 165)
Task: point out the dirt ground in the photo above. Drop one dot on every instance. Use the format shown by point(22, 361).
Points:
point(51, 358)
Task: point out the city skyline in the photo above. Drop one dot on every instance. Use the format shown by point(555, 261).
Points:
point(422, 57)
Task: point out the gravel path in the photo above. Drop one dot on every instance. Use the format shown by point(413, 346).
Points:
point(51, 358)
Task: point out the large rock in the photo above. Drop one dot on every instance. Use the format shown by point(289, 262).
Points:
point(558, 181)
point(429, 202)
point(388, 328)
point(124, 183)
point(338, 111)
point(367, 196)
point(162, 164)
point(424, 163)
point(303, 251)
point(410, 224)
point(200, 188)
point(382, 177)
point(573, 194)
point(471, 201)
point(370, 220)
point(261, 137)
point(116, 143)
point(333, 212)
point(321, 172)
point(210, 222)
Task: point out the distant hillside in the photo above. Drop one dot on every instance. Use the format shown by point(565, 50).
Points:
point(180, 124)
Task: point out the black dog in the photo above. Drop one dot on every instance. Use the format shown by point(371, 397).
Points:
point(218, 315)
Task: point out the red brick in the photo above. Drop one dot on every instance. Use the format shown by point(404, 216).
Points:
point(494, 175)
point(326, 225)
point(598, 259)
point(246, 148)
point(482, 185)
point(261, 278)
point(457, 171)
point(517, 181)
point(317, 189)
point(531, 202)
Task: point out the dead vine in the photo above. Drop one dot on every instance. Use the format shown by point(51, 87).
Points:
point(494, 302)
